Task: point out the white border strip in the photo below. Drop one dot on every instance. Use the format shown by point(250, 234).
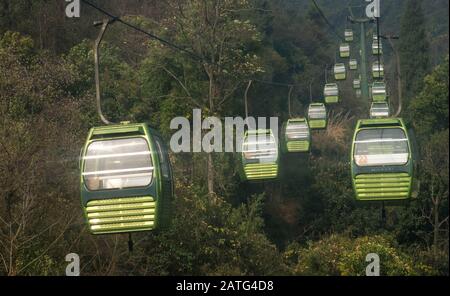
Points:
point(117, 171)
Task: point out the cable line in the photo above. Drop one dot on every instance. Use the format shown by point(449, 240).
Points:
point(151, 35)
point(274, 83)
point(333, 29)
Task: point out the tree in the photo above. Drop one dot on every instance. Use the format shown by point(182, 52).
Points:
point(428, 112)
point(39, 132)
point(346, 256)
point(414, 48)
point(435, 166)
point(221, 40)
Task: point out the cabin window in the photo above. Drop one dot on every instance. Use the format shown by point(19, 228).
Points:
point(260, 147)
point(317, 113)
point(331, 90)
point(378, 147)
point(118, 164)
point(381, 109)
point(297, 131)
point(378, 90)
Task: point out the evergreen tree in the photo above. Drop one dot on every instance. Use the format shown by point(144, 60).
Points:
point(414, 48)
point(431, 104)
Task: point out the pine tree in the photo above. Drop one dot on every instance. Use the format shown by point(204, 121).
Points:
point(414, 48)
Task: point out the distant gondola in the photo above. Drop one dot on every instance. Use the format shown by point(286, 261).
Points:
point(339, 71)
point(379, 110)
point(317, 116)
point(331, 93)
point(259, 155)
point(297, 137)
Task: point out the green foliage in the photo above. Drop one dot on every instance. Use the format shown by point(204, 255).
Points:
point(40, 132)
point(341, 255)
point(15, 43)
point(422, 223)
point(306, 223)
point(392, 262)
point(119, 83)
point(431, 104)
point(414, 48)
point(210, 237)
point(30, 79)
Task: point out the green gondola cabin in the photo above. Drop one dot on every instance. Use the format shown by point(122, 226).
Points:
point(317, 116)
point(344, 50)
point(378, 91)
point(377, 70)
point(260, 155)
point(377, 48)
point(348, 35)
point(353, 64)
point(374, 36)
point(382, 164)
point(331, 93)
point(379, 110)
point(297, 136)
point(340, 72)
point(126, 179)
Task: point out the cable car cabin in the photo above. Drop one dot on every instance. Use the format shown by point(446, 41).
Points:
point(374, 36)
point(377, 49)
point(344, 50)
point(259, 155)
point(379, 110)
point(353, 64)
point(377, 70)
point(378, 91)
point(381, 160)
point(317, 116)
point(331, 93)
point(297, 137)
point(126, 179)
point(356, 84)
point(348, 34)
point(340, 72)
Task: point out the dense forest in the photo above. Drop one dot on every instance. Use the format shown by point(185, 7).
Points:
point(305, 223)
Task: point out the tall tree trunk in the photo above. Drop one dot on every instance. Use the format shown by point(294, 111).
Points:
point(210, 163)
point(436, 227)
point(210, 174)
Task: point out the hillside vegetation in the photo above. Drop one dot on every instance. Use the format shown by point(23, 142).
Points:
point(307, 223)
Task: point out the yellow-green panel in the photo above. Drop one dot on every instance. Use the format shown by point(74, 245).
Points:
point(317, 124)
point(372, 187)
point(121, 219)
point(121, 214)
point(261, 171)
point(298, 146)
point(340, 76)
point(120, 207)
point(331, 99)
point(115, 201)
point(122, 227)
